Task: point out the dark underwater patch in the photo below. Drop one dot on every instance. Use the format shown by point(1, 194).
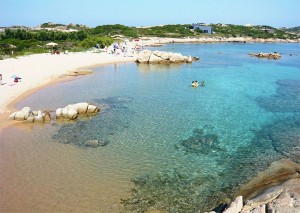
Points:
point(285, 137)
point(183, 190)
point(202, 141)
point(115, 116)
point(175, 191)
point(286, 99)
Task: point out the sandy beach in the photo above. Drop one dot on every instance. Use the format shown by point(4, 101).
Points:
point(39, 70)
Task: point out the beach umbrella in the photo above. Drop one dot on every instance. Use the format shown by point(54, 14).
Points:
point(11, 46)
point(52, 44)
point(8, 46)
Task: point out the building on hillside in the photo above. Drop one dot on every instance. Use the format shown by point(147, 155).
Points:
point(268, 30)
point(204, 28)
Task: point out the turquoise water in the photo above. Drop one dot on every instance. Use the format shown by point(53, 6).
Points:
point(185, 149)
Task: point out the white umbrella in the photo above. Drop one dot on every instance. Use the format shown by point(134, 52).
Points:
point(52, 44)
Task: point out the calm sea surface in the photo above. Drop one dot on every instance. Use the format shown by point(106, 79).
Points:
point(182, 149)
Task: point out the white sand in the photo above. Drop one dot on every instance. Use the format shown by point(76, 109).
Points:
point(40, 69)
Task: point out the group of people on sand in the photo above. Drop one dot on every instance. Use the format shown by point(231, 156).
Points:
point(16, 80)
point(196, 84)
point(126, 48)
point(1, 80)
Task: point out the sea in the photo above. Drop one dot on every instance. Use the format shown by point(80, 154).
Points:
point(167, 146)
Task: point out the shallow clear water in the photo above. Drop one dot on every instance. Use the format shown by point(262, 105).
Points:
point(184, 148)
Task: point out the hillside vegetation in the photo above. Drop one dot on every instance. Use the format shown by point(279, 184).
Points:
point(76, 37)
point(294, 29)
point(27, 42)
point(253, 31)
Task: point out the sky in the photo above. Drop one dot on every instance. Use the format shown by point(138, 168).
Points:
point(275, 13)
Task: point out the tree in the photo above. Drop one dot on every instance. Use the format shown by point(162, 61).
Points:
point(81, 35)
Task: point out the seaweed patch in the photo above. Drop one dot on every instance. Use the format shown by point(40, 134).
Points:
point(203, 141)
point(286, 99)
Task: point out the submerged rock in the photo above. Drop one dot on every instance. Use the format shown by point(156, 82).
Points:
point(202, 141)
point(273, 55)
point(286, 98)
point(95, 143)
point(92, 143)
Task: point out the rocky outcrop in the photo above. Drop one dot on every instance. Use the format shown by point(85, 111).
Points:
point(26, 114)
point(144, 56)
point(273, 55)
point(73, 110)
point(275, 190)
point(160, 57)
point(235, 206)
point(280, 198)
point(70, 112)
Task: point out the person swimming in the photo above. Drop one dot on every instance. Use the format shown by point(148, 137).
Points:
point(202, 83)
point(195, 84)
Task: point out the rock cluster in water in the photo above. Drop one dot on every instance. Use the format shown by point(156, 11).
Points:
point(72, 110)
point(273, 55)
point(161, 57)
point(27, 114)
point(115, 118)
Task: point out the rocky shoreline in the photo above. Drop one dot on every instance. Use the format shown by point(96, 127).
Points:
point(277, 189)
point(156, 41)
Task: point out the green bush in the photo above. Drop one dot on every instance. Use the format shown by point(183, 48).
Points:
point(199, 31)
point(91, 41)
